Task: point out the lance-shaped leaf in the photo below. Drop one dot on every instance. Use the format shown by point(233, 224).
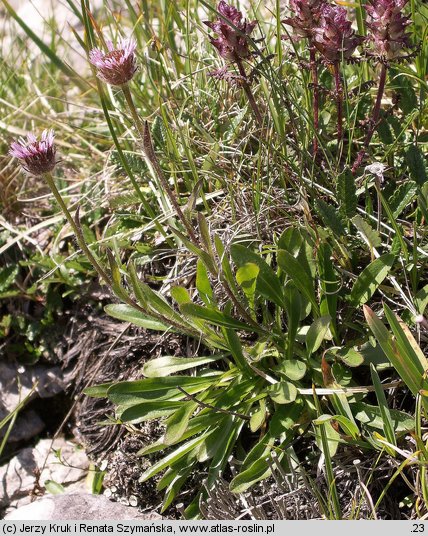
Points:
point(268, 283)
point(302, 280)
point(401, 350)
point(370, 278)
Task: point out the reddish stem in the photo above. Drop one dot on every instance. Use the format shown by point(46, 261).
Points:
point(249, 93)
point(374, 119)
point(339, 101)
point(314, 72)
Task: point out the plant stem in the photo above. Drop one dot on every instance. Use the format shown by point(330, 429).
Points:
point(144, 132)
point(77, 230)
point(339, 101)
point(314, 71)
point(249, 93)
point(374, 119)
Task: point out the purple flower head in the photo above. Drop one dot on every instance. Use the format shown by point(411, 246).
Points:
point(231, 43)
point(36, 157)
point(387, 26)
point(117, 66)
point(306, 17)
point(334, 36)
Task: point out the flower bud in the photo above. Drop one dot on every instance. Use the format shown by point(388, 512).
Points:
point(306, 17)
point(387, 27)
point(232, 44)
point(334, 37)
point(36, 157)
point(117, 66)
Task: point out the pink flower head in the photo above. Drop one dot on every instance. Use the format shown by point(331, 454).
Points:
point(334, 36)
point(36, 157)
point(117, 66)
point(387, 26)
point(306, 17)
point(232, 40)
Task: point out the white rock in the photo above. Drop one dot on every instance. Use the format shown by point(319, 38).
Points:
point(77, 506)
point(18, 476)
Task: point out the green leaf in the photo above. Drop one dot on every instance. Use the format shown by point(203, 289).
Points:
point(416, 164)
point(54, 487)
point(300, 277)
point(177, 423)
point(330, 217)
point(421, 300)
point(293, 309)
point(8, 276)
point(317, 333)
point(370, 279)
point(405, 341)
point(223, 451)
point(259, 417)
point(292, 368)
point(282, 392)
point(347, 193)
point(368, 233)
point(330, 440)
point(203, 284)
point(407, 101)
point(268, 283)
point(166, 365)
point(347, 425)
point(407, 363)
point(172, 457)
point(98, 391)
point(330, 285)
point(290, 240)
point(286, 417)
point(350, 356)
point(216, 317)
point(388, 427)
point(126, 313)
point(402, 197)
point(372, 416)
point(246, 276)
point(259, 470)
point(147, 411)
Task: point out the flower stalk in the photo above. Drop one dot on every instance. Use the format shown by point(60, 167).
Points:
point(232, 44)
point(247, 88)
point(339, 100)
point(146, 139)
point(374, 120)
point(76, 229)
point(315, 99)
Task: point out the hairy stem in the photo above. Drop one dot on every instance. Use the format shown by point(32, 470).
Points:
point(144, 132)
point(77, 230)
point(247, 88)
point(314, 71)
point(374, 119)
point(339, 100)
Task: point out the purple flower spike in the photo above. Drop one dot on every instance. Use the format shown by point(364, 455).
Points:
point(36, 157)
point(306, 17)
point(387, 26)
point(117, 66)
point(231, 44)
point(334, 36)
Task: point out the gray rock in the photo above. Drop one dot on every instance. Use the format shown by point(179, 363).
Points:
point(78, 506)
point(19, 383)
point(28, 425)
point(18, 476)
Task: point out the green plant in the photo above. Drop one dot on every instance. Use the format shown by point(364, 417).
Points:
point(285, 353)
